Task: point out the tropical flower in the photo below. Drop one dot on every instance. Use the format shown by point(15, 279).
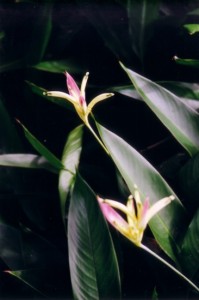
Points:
point(78, 98)
point(137, 215)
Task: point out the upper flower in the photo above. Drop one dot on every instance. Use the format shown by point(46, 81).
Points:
point(77, 97)
point(137, 215)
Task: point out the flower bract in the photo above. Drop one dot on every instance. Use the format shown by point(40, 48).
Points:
point(137, 215)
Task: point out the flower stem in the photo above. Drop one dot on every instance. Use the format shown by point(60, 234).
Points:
point(170, 266)
point(97, 138)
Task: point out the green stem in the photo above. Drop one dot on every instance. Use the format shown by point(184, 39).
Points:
point(97, 138)
point(170, 266)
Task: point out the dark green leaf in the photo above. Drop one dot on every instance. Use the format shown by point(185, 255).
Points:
point(135, 169)
point(192, 28)
point(190, 246)
point(187, 62)
point(29, 161)
point(9, 139)
point(180, 119)
point(58, 66)
point(92, 258)
point(142, 14)
point(51, 158)
point(41, 92)
point(40, 35)
point(70, 160)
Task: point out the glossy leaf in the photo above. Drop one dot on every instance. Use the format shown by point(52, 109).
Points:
point(29, 161)
point(190, 246)
point(180, 119)
point(142, 15)
point(187, 62)
point(58, 66)
point(182, 89)
point(135, 169)
point(51, 158)
point(92, 258)
point(70, 160)
point(192, 28)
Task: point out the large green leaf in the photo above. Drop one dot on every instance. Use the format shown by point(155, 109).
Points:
point(30, 161)
point(142, 15)
point(135, 169)
point(92, 258)
point(70, 160)
point(51, 158)
point(175, 114)
point(190, 246)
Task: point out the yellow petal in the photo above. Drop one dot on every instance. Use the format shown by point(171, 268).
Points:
point(61, 95)
point(97, 99)
point(83, 85)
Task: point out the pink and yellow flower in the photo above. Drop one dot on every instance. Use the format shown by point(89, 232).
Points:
point(137, 214)
point(77, 97)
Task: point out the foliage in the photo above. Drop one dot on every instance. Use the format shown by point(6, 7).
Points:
point(54, 239)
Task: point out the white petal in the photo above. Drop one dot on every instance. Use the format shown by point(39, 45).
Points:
point(83, 85)
point(61, 95)
point(155, 208)
point(98, 99)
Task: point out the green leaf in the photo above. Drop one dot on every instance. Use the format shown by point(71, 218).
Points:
point(142, 14)
point(29, 161)
point(180, 119)
point(58, 66)
point(70, 160)
point(9, 139)
point(192, 28)
point(92, 259)
point(135, 169)
point(41, 34)
point(51, 158)
point(187, 62)
point(190, 246)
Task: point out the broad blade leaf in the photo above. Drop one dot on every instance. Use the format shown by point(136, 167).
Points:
point(92, 258)
point(190, 246)
point(135, 169)
point(53, 160)
point(29, 161)
point(70, 160)
point(180, 119)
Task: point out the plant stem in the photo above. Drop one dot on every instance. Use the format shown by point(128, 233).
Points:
point(170, 266)
point(97, 138)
